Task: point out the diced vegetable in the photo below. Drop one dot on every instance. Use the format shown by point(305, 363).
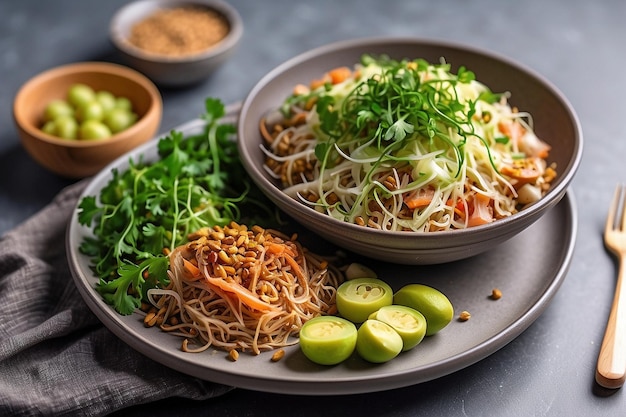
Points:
point(378, 342)
point(328, 340)
point(358, 298)
point(432, 303)
point(408, 322)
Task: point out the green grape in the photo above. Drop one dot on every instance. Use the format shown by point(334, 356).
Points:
point(123, 103)
point(119, 119)
point(69, 118)
point(90, 111)
point(94, 129)
point(106, 99)
point(80, 94)
point(50, 128)
point(66, 127)
point(57, 108)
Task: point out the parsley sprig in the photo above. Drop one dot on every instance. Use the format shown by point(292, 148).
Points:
point(197, 181)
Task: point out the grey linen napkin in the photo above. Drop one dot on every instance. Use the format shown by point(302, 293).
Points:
point(56, 358)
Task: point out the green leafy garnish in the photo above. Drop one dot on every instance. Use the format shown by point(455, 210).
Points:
point(397, 105)
point(131, 277)
point(393, 128)
point(198, 181)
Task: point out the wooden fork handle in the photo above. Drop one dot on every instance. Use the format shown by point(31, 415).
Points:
point(611, 369)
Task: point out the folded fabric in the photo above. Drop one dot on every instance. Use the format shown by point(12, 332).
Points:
point(56, 358)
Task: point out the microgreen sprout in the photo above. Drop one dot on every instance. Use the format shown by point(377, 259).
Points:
point(405, 145)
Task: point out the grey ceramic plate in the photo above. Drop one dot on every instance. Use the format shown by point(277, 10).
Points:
point(528, 269)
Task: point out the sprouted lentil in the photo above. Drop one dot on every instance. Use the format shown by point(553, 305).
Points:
point(278, 355)
point(496, 294)
point(465, 315)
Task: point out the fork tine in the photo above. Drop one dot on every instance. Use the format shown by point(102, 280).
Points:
point(622, 222)
point(610, 219)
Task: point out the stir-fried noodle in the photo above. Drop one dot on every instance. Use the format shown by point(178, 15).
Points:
point(405, 145)
point(243, 289)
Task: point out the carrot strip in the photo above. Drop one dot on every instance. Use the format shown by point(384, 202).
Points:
point(246, 296)
point(191, 269)
point(275, 248)
point(278, 249)
point(459, 207)
point(296, 268)
point(420, 198)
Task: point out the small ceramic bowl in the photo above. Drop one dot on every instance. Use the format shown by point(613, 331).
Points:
point(169, 67)
point(554, 121)
point(83, 158)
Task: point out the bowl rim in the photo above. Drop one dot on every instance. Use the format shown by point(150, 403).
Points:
point(119, 38)
point(554, 195)
point(155, 107)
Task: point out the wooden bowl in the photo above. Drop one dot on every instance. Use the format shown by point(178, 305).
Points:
point(83, 158)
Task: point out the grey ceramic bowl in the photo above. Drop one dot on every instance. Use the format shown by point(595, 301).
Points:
point(555, 121)
point(173, 71)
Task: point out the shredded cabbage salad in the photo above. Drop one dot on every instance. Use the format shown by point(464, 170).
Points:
point(406, 145)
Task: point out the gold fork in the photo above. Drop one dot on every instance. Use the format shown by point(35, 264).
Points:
point(611, 369)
